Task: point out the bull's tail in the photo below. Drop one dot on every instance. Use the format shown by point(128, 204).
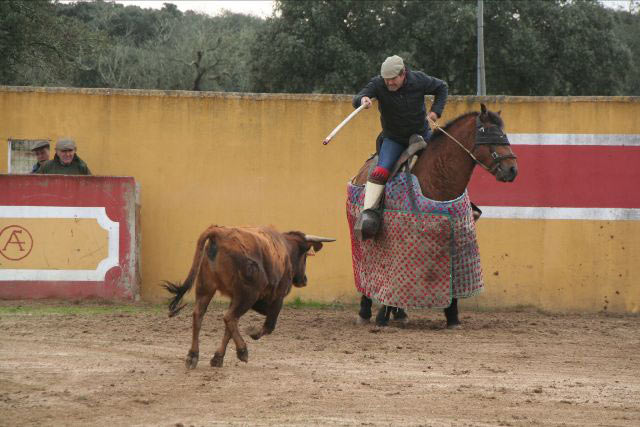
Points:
point(179, 290)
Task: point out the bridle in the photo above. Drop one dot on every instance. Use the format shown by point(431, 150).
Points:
point(491, 136)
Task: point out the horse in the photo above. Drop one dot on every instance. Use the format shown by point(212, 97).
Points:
point(444, 170)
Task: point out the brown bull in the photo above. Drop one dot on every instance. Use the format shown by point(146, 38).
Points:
point(255, 267)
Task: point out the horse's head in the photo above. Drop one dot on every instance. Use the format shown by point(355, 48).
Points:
point(492, 148)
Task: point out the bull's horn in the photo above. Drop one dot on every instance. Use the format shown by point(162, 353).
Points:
point(312, 238)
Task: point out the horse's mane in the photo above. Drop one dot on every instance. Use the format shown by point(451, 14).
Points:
point(494, 117)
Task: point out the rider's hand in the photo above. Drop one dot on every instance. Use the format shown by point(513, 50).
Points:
point(433, 116)
point(366, 101)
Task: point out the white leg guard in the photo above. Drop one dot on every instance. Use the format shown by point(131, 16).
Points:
point(372, 194)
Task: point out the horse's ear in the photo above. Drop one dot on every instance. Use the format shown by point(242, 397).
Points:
point(499, 111)
point(483, 109)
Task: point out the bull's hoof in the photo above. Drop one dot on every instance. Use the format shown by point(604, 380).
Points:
point(243, 354)
point(362, 321)
point(192, 360)
point(254, 333)
point(217, 360)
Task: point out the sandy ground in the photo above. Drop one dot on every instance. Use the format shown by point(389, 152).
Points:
point(319, 368)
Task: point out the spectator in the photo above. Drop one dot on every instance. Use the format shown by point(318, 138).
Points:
point(41, 151)
point(65, 161)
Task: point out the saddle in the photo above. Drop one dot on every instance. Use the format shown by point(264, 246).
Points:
point(369, 226)
point(407, 159)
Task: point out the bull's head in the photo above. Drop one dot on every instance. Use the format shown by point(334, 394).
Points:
point(301, 246)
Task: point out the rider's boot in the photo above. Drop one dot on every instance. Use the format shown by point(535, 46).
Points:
point(369, 220)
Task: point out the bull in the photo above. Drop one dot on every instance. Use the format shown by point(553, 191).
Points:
point(253, 266)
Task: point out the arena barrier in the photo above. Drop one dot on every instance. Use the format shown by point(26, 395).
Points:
point(68, 237)
point(562, 237)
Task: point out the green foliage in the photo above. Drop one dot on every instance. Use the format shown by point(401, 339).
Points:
point(79, 308)
point(541, 47)
point(298, 303)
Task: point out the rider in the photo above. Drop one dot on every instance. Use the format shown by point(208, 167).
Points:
point(400, 93)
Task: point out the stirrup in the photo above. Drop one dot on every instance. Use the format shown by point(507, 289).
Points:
point(368, 224)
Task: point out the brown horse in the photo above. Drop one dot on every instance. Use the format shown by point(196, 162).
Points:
point(444, 170)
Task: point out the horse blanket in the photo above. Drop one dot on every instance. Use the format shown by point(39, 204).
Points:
point(425, 253)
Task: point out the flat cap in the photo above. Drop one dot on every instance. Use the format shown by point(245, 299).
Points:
point(65, 144)
point(391, 67)
point(40, 144)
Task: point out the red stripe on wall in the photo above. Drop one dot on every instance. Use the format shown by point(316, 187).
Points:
point(565, 176)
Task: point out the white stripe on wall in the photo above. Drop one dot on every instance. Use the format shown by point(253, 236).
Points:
point(592, 214)
point(612, 140)
point(98, 213)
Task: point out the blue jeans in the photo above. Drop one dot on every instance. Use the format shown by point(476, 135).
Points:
point(391, 150)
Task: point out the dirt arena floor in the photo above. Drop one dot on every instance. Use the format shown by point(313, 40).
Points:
point(93, 363)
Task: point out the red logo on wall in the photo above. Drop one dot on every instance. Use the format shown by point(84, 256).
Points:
point(15, 242)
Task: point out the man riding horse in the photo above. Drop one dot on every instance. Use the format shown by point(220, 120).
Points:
point(442, 171)
point(400, 93)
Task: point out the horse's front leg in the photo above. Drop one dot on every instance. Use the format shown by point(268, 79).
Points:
point(451, 313)
point(364, 315)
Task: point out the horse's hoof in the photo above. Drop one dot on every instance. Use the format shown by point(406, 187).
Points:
point(243, 354)
point(192, 360)
point(382, 323)
point(362, 321)
point(400, 316)
point(217, 360)
point(454, 326)
point(402, 320)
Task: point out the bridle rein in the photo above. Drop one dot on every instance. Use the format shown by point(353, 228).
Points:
point(491, 136)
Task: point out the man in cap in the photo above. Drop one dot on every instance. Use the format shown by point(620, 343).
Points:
point(41, 150)
point(400, 93)
point(65, 161)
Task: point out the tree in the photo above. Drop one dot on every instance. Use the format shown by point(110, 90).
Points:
point(546, 47)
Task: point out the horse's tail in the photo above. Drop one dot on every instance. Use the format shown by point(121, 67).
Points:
point(179, 290)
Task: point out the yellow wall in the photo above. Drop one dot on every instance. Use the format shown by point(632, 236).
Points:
point(252, 159)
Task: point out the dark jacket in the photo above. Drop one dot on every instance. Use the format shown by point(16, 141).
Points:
point(55, 167)
point(403, 112)
point(36, 167)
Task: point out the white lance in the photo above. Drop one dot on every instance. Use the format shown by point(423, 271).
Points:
point(341, 125)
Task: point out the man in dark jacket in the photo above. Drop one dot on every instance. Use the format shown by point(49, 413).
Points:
point(400, 93)
point(65, 161)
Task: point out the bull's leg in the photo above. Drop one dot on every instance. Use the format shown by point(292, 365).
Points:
point(218, 358)
point(451, 313)
point(231, 317)
point(364, 315)
point(269, 325)
point(202, 302)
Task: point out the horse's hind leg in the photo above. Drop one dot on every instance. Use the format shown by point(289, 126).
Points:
point(364, 315)
point(382, 319)
point(399, 315)
point(451, 313)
